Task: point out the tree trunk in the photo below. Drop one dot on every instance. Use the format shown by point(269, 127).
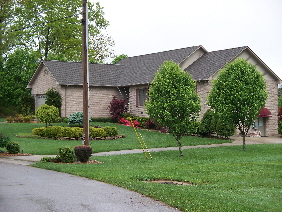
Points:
point(180, 147)
point(244, 141)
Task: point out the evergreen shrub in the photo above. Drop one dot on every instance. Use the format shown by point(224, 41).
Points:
point(83, 153)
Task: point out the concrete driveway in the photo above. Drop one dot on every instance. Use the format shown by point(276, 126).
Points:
point(29, 189)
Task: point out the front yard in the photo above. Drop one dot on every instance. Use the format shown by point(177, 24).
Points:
point(50, 147)
point(218, 179)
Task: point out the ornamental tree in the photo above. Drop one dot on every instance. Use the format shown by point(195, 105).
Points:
point(53, 97)
point(238, 93)
point(173, 101)
point(47, 114)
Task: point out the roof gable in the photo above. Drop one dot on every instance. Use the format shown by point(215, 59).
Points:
point(211, 62)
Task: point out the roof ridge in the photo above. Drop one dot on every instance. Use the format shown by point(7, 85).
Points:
point(163, 51)
point(243, 47)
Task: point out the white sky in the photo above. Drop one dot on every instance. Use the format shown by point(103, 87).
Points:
point(149, 26)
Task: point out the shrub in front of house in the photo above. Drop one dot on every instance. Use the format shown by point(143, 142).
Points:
point(4, 140)
point(97, 132)
point(54, 132)
point(40, 131)
point(110, 131)
point(76, 118)
point(83, 153)
point(13, 147)
point(66, 155)
point(117, 108)
point(78, 132)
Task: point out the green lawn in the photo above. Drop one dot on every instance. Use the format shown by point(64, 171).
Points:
point(223, 178)
point(50, 147)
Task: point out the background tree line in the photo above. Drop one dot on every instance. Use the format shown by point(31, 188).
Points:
point(34, 30)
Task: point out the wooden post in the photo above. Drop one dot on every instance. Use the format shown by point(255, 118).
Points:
point(85, 72)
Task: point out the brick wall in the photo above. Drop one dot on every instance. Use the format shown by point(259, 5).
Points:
point(272, 106)
point(133, 109)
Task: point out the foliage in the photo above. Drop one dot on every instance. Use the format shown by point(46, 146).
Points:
point(83, 153)
point(26, 103)
point(110, 131)
point(47, 114)
point(66, 155)
point(177, 109)
point(97, 132)
point(4, 140)
point(279, 101)
point(280, 128)
point(119, 58)
point(223, 126)
point(117, 108)
point(53, 97)
point(78, 132)
point(54, 132)
point(222, 178)
point(15, 75)
point(53, 29)
point(239, 93)
point(102, 119)
point(9, 119)
point(206, 127)
point(13, 147)
point(40, 131)
point(76, 118)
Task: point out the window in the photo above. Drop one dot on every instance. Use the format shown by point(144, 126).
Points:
point(141, 96)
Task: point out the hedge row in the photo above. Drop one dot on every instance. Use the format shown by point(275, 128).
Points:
point(56, 132)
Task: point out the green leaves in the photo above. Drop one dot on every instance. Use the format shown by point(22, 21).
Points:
point(173, 100)
point(239, 93)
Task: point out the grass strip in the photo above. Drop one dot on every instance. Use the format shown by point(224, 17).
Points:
point(222, 178)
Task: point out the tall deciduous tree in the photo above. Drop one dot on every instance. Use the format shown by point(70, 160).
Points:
point(173, 101)
point(15, 75)
point(53, 29)
point(238, 93)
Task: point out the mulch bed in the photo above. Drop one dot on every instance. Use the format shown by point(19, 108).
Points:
point(19, 154)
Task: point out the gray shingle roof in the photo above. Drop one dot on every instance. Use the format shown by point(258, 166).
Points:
point(142, 69)
point(211, 62)
point(70, 73)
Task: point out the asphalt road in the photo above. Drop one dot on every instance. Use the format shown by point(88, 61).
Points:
point(29, 189)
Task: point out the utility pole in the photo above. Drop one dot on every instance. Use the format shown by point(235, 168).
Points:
point(85, 72)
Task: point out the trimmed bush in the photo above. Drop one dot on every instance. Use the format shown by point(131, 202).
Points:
point(83, 153)
point(13, 147)
point(40, 131)
point(97, 132)
point(53, 132)
point(68, 132)
point(4, 140)
point(66, 155)
point(78, 132)
point(110, 131)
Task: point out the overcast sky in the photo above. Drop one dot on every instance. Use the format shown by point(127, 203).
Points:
point(150, 26)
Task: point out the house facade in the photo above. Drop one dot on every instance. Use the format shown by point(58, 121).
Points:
point(131, 78)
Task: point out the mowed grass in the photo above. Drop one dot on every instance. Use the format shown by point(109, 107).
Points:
point(152, 139)
point(222, 178)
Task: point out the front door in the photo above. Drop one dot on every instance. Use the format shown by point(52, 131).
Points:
point(261, 125)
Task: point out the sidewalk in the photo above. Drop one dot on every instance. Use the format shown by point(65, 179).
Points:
point(31, 159)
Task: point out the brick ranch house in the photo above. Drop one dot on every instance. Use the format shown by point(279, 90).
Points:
point(130, 80)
